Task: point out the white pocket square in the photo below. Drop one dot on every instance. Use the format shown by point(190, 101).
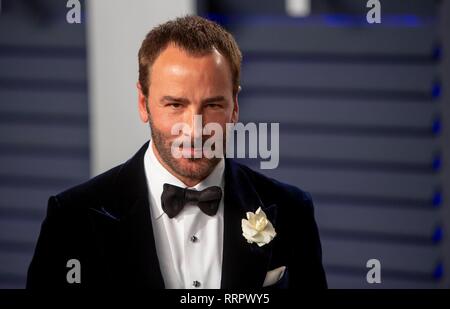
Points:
point(273, 276)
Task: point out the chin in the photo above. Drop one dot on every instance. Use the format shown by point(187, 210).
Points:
point(197, 168)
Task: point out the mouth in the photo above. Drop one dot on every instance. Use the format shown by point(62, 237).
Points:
point(190, 152)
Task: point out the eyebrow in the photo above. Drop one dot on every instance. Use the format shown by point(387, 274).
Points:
point(184, 100)
point(213, 99)
point(174, 99)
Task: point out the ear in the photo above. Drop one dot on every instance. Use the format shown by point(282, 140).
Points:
point(142, 104)
point(235, 114)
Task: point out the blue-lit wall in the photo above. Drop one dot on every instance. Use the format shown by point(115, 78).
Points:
point(44, 128)
point(360, 125)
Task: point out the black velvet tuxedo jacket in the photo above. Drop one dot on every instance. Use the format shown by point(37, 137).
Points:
point(105, 223)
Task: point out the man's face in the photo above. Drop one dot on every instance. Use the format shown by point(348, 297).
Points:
point(181, 86)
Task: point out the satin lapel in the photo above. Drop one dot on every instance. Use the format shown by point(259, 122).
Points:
point(244, 265)
point(131, 244)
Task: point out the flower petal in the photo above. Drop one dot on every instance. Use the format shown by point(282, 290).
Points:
point(248, 229)
point(257, 228)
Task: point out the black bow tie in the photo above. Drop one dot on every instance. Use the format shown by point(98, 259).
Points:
point(174, 198)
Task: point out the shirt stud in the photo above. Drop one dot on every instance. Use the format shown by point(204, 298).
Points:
point(194, 238)
point(196, 284)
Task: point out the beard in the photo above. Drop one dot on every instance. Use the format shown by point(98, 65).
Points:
point(195, 169)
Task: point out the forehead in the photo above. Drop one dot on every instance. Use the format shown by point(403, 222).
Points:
point(177, 62)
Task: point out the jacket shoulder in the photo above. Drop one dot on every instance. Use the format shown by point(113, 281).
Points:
point(93, 189)
point(275, 190)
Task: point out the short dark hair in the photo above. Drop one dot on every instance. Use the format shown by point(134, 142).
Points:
point(194, 34)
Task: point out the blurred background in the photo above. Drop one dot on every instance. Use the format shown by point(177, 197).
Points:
point(363, 112)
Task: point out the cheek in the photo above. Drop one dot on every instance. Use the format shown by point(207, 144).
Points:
point(165, 125)
point(221, 118)
point(222, 121)
point(162, 121)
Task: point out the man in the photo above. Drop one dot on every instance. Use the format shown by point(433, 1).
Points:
point(158, 221)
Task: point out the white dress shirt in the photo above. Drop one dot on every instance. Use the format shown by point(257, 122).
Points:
point(190, 245)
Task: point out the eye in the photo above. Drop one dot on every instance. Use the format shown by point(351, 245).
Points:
point(175, 105)
point(214, 105)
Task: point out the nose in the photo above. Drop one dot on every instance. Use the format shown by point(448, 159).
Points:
point(195, 120)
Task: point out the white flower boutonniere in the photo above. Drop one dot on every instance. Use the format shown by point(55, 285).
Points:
point(257, 228)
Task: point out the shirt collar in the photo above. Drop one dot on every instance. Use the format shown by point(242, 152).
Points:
point(157, 175)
